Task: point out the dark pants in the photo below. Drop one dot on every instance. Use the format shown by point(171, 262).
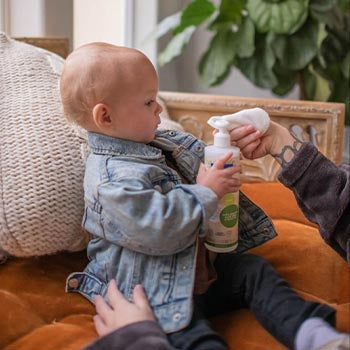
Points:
point(248, 281)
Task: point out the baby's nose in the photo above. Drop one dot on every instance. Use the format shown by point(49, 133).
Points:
point(159, 108)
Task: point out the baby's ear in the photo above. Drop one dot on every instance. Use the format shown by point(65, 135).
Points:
point(101, 116)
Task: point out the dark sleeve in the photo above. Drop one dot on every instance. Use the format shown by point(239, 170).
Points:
point(145, 335)
point(322, 190)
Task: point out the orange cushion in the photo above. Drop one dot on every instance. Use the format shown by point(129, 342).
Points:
point(36, 313)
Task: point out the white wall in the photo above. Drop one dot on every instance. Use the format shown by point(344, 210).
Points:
point(120, 22)
point(26, 18)
point(145, 19)
point(3, 15)
point(58, 19)
point(98, 21)
point(37, 18)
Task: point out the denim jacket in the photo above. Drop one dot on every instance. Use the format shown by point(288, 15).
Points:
point(145, 222)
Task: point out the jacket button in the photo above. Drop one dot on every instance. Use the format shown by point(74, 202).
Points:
point(73, 283)
point(176, 317)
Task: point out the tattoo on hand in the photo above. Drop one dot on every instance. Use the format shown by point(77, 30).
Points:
point(288, 152)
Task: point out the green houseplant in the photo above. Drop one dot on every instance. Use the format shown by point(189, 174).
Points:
point(274, 43)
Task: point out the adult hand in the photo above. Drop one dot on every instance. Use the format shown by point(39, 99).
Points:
point(121, 312)
point(255, 145)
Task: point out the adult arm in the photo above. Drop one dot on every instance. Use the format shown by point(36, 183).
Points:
point(321, 188)
point(322, 191)
point(125, 325)
point(144, 335)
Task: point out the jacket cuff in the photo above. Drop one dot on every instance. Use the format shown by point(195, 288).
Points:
point(295, 169)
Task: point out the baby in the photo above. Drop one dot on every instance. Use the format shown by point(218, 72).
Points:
point(147, 203)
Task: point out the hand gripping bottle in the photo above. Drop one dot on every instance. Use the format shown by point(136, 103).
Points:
point(222, 236)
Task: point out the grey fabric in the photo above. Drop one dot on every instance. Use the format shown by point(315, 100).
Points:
point(322, 190)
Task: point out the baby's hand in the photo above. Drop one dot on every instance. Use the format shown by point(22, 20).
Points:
point(218, 179)
point(121, 312)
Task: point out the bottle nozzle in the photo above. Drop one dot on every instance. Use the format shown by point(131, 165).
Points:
point(219, 123)
point(221, 138)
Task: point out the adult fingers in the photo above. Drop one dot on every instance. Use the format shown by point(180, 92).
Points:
point(251, 151)
point(102, 308)
point(140, 298)
point(241, 132)
point(115, 297)
point(219, 164)
point(99, 325)
point(248, 139)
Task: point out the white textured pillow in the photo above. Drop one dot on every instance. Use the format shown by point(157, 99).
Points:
point(41, 170)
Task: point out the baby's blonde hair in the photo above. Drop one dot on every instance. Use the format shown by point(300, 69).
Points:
point(86, 80)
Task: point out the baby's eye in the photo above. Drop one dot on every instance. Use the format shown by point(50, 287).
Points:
point(148, 103)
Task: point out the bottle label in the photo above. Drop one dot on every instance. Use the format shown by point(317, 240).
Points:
point(222, 235)
point(229, 216)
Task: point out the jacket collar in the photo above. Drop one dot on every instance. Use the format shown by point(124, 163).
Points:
point(108, 145)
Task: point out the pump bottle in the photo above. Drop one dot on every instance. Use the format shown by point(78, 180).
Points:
point(223, 225)
point(222, 236)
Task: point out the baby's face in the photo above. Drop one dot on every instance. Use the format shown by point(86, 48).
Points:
point(136, 110)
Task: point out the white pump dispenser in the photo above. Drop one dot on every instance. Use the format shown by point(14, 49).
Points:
point(222, 137)
point(222, 236)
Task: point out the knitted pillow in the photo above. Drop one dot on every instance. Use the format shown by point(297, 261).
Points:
point(41, 170)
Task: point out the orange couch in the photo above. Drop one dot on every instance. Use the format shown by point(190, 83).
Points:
point(36, 313)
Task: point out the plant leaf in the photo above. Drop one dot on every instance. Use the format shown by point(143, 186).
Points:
point(338, 84)
point(243, 40)
point(284, 17)
point(322, 91)
point(345, 66)
point(167, 24)
point(286, 80)
point(194, 14)
point(258, 68)
point(309, 84)
point(319, 8)
point(322, 5)
point(336, 45)
point(216, 61)
point(230, 12)
point(333, 49)
point(341, 93)
point(344, 5)
point(175, 46)
point(297, 51)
